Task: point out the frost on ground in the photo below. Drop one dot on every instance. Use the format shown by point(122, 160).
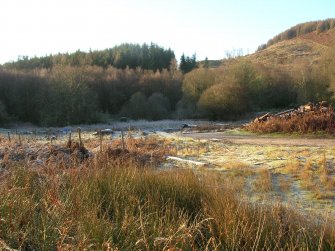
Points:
point(296, 171)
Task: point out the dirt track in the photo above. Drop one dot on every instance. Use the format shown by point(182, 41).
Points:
point(262, 140)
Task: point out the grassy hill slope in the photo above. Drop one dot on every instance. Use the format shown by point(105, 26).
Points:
point(313, 48)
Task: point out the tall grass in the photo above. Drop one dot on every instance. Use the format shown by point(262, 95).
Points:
point(123, 205)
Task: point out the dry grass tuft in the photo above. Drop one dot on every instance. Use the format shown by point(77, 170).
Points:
point(317, 178)
point(263, 181)
point(114, 201)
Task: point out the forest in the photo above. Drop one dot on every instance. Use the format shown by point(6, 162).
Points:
point(145, 82)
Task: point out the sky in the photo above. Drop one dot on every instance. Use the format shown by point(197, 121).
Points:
point(209, 28)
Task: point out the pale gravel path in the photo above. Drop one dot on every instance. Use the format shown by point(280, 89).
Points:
point(261, 140)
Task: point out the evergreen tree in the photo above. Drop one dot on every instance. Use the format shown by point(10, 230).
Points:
point(182, 65)
point(206, 63)
point(148, 57)
point(187, 64)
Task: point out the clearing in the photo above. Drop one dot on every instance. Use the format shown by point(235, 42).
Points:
point(295, 170)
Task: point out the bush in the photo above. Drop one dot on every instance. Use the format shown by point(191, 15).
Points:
point(224, 102)
point(136, 107)
point(3, 114)
point(274, 90)
point(196, 82)
point(68, 99)
point(158, 106)
point(313, 86)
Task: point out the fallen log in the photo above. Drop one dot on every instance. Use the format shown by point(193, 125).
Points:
point(264, 117)
point(285, 112)
point(191, 162)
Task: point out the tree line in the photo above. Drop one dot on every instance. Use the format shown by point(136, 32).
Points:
point(145, 56)
point(66, 94)
point(243, 86)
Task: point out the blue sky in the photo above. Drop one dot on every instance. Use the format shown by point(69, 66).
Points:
point(207, 27)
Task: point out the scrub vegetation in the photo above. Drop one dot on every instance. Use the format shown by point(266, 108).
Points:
point(145, 82)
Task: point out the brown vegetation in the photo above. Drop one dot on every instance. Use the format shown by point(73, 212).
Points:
point(72, 153)
point(311, 121)
point(263, 182)
point(67, 95)
point(301, 30)
point(120, 205)
point(120, 198)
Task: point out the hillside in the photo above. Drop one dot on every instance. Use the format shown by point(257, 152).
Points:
point(301, 30)
point(308, 49)
point(210, 63)
point(142, 82)
point(294, 68)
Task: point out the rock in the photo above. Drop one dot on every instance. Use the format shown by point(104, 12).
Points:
point(104, 132)
point(66, 130)
point(188, 126)
point(144, 133)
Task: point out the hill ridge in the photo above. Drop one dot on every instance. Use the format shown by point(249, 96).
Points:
point(308, 49)
point(299, 30)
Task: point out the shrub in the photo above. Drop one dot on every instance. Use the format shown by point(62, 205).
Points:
point(224, 102)
point(136, 107)
point(274, 89)
point(3, 114)
point(312, 86)
point(69, 99)
point(197, 81)
point(158, 106)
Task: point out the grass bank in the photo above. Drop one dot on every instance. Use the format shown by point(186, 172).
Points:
point(122, 204)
